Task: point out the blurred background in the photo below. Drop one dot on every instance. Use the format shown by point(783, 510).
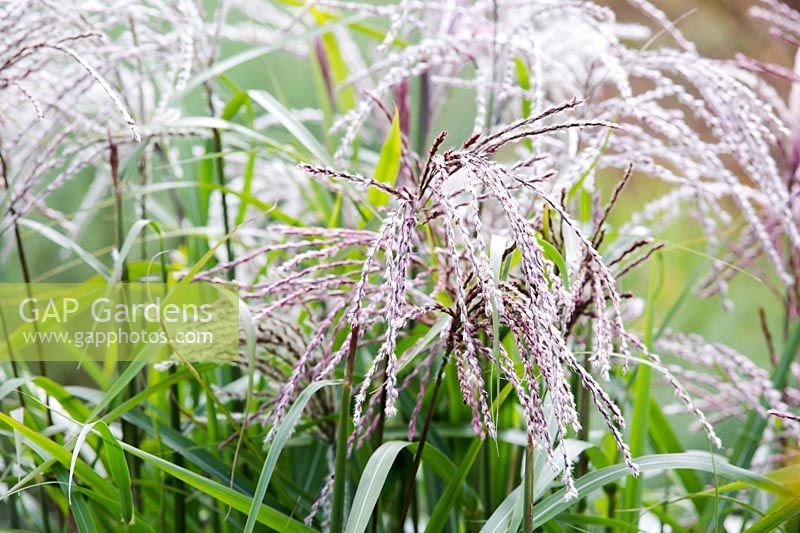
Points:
point(720, 27)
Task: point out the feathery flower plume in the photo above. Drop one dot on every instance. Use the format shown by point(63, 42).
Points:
point(460, 196)
point(62, 63)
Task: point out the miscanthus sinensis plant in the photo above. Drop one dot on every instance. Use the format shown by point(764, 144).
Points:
point(436, 239)
point(457, 293)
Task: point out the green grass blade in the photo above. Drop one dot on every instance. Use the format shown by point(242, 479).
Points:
point(750, 436)
point(245, 196)
point(130, 240)
point(246, 323)
point(154, 388)
point(446, 469)
point(265, 515)
point(220, 67)
point(516, 506)
point(77, 505)
point(346, 97)
point(555, 504)
point(781, 512)
point(552, 253)
point(662, 437)
point(632, 496)
point(118, 468)
point(68, 244)
point(441, 511)
point(121, 383)
point(545, 474)
point(76, 451)
point(282, 435)
point(388, 163)
point(500, 520)
point(298, 130)
point(13, 384)
point(247, 188)
point(200, 458)
point(525, 83)
point(431, 335)
point(594, 521)
point(664, 440)
point(371, 484)
point(60, 454)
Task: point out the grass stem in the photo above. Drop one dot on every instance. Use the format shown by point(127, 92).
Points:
point(26, 277)
point(179, 503)
point(342, 433)
point(425, 429)
point(129, 431)
point(219, 164)
point(376, 513)
point(529, 484)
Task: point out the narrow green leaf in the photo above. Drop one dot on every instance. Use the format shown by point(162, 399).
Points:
point(388, 163)
point(60, 454)
point(781, 512)
point(347, 96)
point(446, 469)
point(246, 324)
point(197, 456)
point(68, 244)
point(500, 521)
point(247, 187)
point(593, 521)
point(282, 435)
point(130, 372)
point(632, 496)
point(234, 104)
point(130, 240)
point(118, 468)
point(515, 508)
point(428, 338)
point(664, 440)
point(79, 510)
point(578, 185)
point(298, 130)
point(552, 253)
point(214, 123)
point(441, 511)
point(750, 435)
point(545, 473)
point(79, 440)
point(662, 437)
point(152, 389)
point(371, 484)
point(335, 216)
point(264, 514)
point(13, 384)
point(246, 197)
point(524, 84)
point(555, 504)
point(253, 53)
